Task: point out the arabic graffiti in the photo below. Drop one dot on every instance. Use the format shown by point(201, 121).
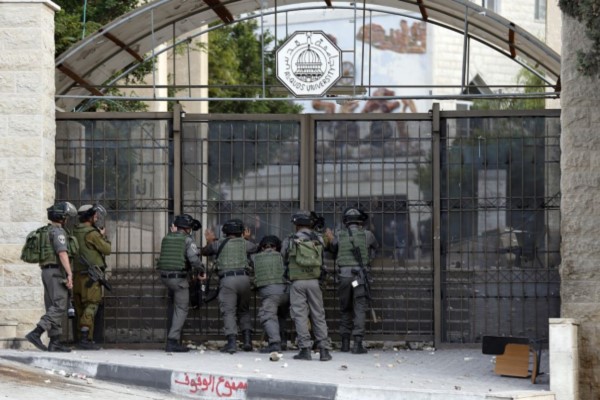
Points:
point(208, 386)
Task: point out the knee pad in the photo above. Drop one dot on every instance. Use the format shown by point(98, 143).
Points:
point(90, 310)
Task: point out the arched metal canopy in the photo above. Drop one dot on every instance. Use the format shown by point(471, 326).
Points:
point(83, 69)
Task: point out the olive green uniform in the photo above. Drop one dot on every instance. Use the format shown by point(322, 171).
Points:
point(94, 247)
point(179, 253)
point(234, 282)
point(306, 301)
point(351, 292)
point(274, 293)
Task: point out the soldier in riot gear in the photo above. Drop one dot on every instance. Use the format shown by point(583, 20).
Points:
point(178, 255)
point(351, 289)
point(273, 291)
point(57, 277)
point(233, 269)
point(306, 298)
point(94, 246)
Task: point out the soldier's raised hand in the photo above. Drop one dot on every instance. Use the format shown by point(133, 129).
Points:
point(328, 236)
point(247, 234)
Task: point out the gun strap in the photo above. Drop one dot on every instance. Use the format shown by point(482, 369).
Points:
point(360, 261)
point(223, 243)
point(221, 246)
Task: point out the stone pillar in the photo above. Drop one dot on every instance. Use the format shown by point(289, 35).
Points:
point(580, 210)
point(27, 131)
point(564, 358)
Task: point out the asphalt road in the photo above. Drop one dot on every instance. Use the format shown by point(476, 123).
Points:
point(21, 382)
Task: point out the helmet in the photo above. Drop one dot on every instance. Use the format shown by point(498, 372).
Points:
point(186, 221)
point(233, 227)
point(60, 211)
point(87, 211)
point(271, 240)
point(303, 218)
point(354, 215)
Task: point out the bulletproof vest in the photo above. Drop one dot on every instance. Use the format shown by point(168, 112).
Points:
point(172, 252)
point(268, 268)
point(345, 258)
point(233, 256)
point(90, 254)
point(301, 272)
point(47, 253)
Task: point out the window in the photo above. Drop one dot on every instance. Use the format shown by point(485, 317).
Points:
point(540, 10)
point(493, 5)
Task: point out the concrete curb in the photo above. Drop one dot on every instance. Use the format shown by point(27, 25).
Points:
point(194, 384)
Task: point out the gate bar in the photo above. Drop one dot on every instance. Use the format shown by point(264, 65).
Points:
point(307, 153)
point(177, 110)
point(437, 273)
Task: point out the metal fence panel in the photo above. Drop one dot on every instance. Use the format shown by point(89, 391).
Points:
point(375, 164)
point(125, 166)
point(499, 211)
point(500, 226)
point(247, 169)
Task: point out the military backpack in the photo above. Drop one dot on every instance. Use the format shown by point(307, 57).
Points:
point(35, 248)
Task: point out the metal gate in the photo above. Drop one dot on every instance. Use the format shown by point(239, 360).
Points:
point(464, 206)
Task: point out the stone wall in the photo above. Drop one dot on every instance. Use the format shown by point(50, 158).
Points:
point(27, 130)
point(580, 206)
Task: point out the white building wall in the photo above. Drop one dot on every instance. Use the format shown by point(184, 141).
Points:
point(27, 153)
point(492, 66)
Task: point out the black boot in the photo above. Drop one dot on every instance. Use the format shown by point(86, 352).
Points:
point(304, 354)
point(34, 337)
point(358, 346)
point(325, 356)
point(247, 346)
point(345, 344)
point(275, 346)
point(173, 346)
point(86, 344)
point(56, 346)
point(283, 336)
point(230, 347)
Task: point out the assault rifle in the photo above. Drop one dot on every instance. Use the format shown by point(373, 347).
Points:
point(196, 289)
point(362, 275)
point(208, 294)
point(95, 274)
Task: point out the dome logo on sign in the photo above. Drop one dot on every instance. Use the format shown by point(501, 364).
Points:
point(309, 63)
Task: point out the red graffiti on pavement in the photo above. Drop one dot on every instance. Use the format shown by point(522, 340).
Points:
point(219, 385)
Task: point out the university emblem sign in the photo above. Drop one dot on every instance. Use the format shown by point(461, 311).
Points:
point(309, 63)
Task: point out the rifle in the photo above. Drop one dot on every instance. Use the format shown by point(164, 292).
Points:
point(95, 274)
point(197, 290)
point(362, 275)
point(197, 287)
point(209, 295)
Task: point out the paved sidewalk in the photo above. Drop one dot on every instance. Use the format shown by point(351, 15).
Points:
point(453, 374)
